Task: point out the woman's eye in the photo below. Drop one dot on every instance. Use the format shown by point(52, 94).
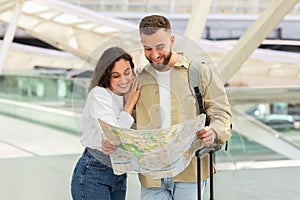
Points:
point(115, 77)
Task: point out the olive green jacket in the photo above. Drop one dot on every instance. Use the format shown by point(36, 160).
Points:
point(184, 107)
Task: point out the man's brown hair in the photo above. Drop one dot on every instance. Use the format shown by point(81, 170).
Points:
point(152, 23)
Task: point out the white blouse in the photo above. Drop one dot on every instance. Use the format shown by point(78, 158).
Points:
point(106, 105)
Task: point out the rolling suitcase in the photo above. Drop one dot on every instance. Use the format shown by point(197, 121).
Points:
point(204, 151)
point(196, 89)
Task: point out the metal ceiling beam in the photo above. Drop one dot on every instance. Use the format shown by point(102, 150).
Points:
point(86, 14)
point(24, 57)
point(246, 95)
point(10, 33)
point(254, 36)
point(74, 35)
point(198, 18)
point(6, 5)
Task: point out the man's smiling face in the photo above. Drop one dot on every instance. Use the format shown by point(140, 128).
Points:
point(158, 48)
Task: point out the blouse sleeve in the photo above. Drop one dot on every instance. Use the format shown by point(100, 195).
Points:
point(102, 107)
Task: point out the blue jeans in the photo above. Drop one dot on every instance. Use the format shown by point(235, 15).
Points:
point(92, 180)
point(171, 190)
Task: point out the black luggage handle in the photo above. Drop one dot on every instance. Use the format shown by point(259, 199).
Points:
point(199, 154)
point(206, 149)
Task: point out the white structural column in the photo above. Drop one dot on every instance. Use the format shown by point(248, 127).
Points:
point(10, 33)
point(198, 18)
point(253, 37)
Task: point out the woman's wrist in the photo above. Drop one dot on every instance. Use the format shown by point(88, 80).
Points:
point(128, 109)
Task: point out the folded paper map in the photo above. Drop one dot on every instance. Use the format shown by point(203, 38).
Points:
point(154, 153)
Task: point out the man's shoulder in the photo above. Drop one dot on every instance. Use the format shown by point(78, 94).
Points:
point(183, 61)
point(145, 75)
point(145, 71)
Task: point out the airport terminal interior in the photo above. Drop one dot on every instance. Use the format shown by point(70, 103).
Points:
point(48, 50)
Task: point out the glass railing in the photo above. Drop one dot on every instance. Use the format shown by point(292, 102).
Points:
point(56, 101)
point(51, 100)
point(43, 89)
point(279, 121)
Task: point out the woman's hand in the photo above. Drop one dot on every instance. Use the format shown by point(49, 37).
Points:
point(132, 96)
point(107, 147)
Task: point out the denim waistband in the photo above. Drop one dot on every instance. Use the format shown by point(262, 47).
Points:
point(98, 155)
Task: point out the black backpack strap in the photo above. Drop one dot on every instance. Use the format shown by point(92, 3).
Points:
point(194, 78)
point(196, 86)
point(199, 99)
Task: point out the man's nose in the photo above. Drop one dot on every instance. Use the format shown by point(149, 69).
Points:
point(155, 53)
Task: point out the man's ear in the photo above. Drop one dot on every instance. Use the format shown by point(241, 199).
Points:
point(172, 40)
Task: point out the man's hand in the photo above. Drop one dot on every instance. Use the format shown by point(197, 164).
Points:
point(107, 147)
point(207, 136)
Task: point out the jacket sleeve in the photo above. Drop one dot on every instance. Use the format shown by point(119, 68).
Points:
point(215, 102)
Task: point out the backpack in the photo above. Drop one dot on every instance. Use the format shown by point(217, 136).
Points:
point(195, 84)
point(196, 89)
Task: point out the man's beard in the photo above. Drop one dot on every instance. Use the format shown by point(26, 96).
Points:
point(161, 67)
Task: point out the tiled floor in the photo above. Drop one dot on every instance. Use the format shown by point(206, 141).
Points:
point(36, 163)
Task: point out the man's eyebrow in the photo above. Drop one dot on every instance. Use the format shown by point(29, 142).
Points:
point(159, 45)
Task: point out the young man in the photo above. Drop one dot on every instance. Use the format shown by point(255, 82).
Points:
point(166, 99)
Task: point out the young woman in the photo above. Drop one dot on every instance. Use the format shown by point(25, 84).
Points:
point(112, 95)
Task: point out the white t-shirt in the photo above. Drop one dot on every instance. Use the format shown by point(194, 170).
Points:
point(163, 80)
point(106, 105)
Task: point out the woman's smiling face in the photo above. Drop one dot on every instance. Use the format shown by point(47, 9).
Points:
point(121, 77)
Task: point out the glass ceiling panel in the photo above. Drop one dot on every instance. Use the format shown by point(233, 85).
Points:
point(105, 30)
point(48, 15)
point(86, 26)
point(32, 7)
point(68, 19)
